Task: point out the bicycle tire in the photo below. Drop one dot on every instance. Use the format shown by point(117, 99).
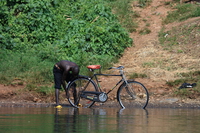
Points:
point(134, 94)
point(74, 91)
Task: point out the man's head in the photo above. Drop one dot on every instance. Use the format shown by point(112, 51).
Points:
point(75, 71)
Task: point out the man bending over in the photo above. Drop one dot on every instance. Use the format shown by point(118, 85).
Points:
point(64, 71)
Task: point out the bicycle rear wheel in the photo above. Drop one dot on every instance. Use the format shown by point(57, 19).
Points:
point(75, 89)
point(133, 94)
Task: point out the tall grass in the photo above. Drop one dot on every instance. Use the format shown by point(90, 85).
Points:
point(123, 10)
point(93, 29)
point(182, 36)
point(23, 66)
point(183, 12)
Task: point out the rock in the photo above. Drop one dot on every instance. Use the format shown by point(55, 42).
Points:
point(170, 100)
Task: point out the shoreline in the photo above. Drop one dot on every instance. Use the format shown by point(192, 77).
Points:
point(175, 105)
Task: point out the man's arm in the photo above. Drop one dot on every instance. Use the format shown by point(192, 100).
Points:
point(64, 77)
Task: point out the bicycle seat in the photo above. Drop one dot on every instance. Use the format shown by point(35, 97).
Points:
point(94, 66)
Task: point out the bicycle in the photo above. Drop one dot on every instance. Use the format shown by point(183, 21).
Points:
point(85, 91)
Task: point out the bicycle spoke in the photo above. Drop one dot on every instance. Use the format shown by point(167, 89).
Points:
point(75, 90)
point(131, 92)
point(133, 95)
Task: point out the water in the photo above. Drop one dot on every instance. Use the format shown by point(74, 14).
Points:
point(109, 120)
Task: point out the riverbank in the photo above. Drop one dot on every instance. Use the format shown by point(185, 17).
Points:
point(174, 105)
point(23, 100)
point(161, 96)
point(146, 56)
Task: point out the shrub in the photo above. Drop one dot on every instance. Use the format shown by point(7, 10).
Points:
point(36, 34)
point(56, 30)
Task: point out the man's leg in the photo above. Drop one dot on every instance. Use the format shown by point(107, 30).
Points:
point(75, 95)
point(57, 96)
point(58, 80)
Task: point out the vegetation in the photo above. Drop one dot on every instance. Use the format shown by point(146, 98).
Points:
point(144, 3)
point(125, 14)
point(191, 77)
point(137, 75)
point(180, 36)
point(183, 12)
point(180, 39)
point(36, 34)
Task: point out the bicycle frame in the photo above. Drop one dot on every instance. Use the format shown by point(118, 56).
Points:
point(94, 77)
point(89, 89)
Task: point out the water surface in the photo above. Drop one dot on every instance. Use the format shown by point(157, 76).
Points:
point(98, 120)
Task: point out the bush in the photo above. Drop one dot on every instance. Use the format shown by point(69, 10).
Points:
point(124, 13)
point(36, 34)
point(25, 67)
point(67, 29)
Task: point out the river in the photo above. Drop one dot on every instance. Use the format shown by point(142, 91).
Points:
point(98, 120)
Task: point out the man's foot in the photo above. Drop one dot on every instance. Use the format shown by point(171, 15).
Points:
point(79, 105)
point(58, 107)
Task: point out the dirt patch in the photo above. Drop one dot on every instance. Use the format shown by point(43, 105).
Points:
point(8, 91)
point(145, 56)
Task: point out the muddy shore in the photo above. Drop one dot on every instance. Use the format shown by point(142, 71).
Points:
point(109, 104)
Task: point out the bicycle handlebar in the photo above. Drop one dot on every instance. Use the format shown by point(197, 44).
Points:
point(120, 68)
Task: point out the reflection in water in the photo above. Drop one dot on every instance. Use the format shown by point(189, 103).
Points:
point(174, 120)
point(95, 120)
point(66, 122)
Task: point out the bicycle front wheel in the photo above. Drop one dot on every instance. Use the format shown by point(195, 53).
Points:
point(75, 90)
point(133, 94)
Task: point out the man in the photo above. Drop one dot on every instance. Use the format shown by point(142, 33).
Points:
point(64, 71)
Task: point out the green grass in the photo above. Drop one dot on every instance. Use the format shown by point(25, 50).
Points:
point(179, 39)
point(37, 72)
point(28, 70)
point(144, 3)
point(123, 10)
point(191, 77)
point(148, 64)
point(183, 12)
point(45, 90)
point(24, 66)
point(145, 31)
point(191, 93)
point(137, 75)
